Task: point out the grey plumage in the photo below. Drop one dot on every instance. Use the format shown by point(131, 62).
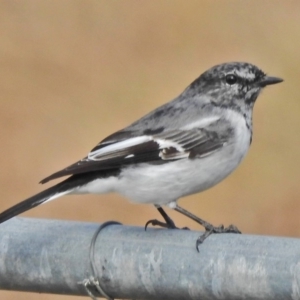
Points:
point(180, 148)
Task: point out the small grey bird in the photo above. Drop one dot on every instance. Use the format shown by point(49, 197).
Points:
point(183, 147)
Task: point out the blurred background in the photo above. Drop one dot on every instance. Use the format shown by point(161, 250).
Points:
point(72, 72)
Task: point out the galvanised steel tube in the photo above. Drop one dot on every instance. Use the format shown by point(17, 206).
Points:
point(51, 256)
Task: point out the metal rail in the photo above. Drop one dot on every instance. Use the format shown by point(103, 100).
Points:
point(51, 256)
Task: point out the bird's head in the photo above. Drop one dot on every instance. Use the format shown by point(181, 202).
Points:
point(236, 81)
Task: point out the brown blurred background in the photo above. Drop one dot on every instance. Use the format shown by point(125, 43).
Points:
point(72, 72)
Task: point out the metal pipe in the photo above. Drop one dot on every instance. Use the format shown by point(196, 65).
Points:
point(51, 256)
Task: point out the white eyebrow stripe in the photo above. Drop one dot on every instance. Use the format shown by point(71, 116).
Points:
point(119, 146)
point(245, 74)
point(203, 122)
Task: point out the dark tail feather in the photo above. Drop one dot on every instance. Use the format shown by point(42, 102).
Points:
point(30, 202)
point(63, 187)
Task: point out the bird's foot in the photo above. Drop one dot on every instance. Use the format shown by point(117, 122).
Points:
point(215, 229)
point(155, 222)
point(169, 225)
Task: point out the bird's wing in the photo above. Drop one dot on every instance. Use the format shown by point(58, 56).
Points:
point(127, 148)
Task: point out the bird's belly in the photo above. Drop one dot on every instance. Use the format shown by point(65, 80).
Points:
point(162, 184)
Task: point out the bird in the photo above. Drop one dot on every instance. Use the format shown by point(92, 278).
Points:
point(183, 147)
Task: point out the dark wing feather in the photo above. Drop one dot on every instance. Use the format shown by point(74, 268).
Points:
point(125, 148)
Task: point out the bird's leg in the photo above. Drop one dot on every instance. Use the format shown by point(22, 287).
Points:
point(169, 223)
point(209, 228)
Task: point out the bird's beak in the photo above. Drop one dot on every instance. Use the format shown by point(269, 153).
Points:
point(267, 80)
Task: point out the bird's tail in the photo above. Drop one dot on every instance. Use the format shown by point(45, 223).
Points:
point(51, 193)
point(67, 186)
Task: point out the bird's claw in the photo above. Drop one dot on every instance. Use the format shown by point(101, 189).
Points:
point(215, 229)
point(170, 225)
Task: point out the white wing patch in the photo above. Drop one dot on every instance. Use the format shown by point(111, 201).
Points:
point(167, 154)
point(121, 148)
point(110, 149)
point(164, 143)
point(171, 145)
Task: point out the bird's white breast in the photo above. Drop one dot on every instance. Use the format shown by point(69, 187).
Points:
point(162, 184)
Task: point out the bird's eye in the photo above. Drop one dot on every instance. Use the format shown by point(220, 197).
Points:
point(231, 79)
